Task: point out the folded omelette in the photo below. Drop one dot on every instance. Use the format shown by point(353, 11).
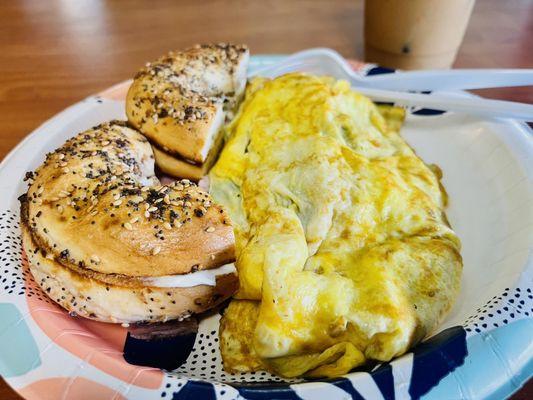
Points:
point(344, 252)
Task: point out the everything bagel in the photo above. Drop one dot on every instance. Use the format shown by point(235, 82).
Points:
point(181, 101)
point(106, 240)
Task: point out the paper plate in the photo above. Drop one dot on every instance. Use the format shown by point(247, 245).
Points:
point(483, 349)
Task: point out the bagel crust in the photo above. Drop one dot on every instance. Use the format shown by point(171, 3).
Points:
point(180, 102)
point(93, 299)
point(96, 207)
point(177, 166)
point(174, 166)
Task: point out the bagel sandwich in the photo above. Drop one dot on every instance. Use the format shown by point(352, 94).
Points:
point(181, 102)
point(107, 241)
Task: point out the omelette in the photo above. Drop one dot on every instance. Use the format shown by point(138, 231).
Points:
point(344, 252)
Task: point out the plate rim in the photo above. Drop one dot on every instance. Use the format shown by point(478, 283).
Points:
point(520, 141)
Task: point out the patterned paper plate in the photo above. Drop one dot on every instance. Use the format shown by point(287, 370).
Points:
point(483, 349)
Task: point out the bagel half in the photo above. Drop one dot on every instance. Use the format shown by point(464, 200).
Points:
point(181, 101)
point(107, 241)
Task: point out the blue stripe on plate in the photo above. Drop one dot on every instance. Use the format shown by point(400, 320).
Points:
point(435, 358)
point(385, 381)
point(194, 390)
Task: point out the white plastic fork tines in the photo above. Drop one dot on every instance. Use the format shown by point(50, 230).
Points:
point(323, 61)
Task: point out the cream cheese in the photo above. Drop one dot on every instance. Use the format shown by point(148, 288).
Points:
point(204, 277)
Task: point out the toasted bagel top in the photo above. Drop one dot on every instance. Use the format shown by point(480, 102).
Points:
point(179, 101)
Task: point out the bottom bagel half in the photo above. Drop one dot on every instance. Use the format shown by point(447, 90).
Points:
point(179, 167)
point(91, 298)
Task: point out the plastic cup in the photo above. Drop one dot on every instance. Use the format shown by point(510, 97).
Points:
point(415, 34)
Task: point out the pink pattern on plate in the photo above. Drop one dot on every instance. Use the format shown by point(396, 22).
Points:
point(357, 65)
point(97, 343)
point(74, 388)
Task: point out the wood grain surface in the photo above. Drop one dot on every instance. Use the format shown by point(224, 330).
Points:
point(55, 53)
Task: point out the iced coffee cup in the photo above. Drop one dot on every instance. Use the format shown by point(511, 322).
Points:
point(415, 34)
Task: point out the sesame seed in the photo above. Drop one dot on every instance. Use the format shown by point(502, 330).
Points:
point(60, 209)
point(95, 258)
point(188, 204)
point(116, 196)
point(147, 214)
point(177, 224)
point(133, 220)
point(158, 201)
point(39, 201)
point(212, 256)
point(105, 142)
point(125, 325)
point(128, 226)
point(167, 225)
point(94, 212)
point(117, 203)
point(66, 170)
point(49, 256)
point(156, 250)
point(40, 190)
point(210, 229)
point(60, 156)
point(166, 199)
point(63, 164)
point(54, 199)
point(145, 188)
point(152, 209)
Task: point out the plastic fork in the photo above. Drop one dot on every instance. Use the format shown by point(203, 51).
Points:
point(328, 62)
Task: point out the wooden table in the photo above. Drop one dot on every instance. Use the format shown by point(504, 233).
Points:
point(55, 53)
